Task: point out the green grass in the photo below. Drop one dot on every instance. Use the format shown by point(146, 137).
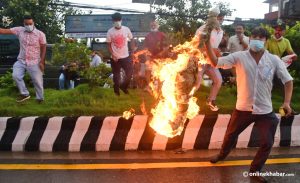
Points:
point(102, 102)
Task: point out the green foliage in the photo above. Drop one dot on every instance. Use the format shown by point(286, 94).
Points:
point(175, 38)
point(229, 30)
point(97, 76)
point(84, 100)
point(268, 28)
point(6, 81)
point(186, 16)
point(293, 34)
point(48, 16)
point(69, 52)
point(72, 52)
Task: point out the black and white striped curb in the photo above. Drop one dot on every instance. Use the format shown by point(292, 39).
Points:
point(94, 133)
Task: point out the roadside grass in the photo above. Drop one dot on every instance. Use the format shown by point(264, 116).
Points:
point(102, 102)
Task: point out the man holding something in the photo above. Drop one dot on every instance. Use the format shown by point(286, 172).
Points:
point(255, 69)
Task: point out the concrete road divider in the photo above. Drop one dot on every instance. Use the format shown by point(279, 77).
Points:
point(96, 133)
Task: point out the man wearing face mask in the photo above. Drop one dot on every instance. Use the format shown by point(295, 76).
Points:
point(31, 58)
point(255, 69)
point(278, 45)
point(117, 39)
point(213, 73)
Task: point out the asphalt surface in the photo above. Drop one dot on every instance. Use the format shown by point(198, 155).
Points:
point(142, 166)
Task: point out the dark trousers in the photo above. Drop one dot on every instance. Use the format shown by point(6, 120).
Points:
point(266, 125)
point(126, 65)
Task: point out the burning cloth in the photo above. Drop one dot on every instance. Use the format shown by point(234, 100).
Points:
point(174, 80)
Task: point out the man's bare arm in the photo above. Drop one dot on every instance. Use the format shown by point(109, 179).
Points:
point(5, 31)
point(43, 56)
point(288, 91)
point(111, 51)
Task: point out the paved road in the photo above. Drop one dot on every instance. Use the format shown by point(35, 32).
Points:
point(168, 166)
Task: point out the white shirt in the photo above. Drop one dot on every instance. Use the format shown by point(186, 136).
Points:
point(119, 41)
point(96, 61)
point(234, 43)
point(215, 36)
point(255, 81)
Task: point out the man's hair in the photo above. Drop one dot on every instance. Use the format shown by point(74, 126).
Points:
point(222, 14)
point(27, 17)
point(116, 16)
point(260, 32)
point(240, 24)
point(279, 26)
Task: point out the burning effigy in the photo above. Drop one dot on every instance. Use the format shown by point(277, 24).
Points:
point(173, 79)
point(173, 83)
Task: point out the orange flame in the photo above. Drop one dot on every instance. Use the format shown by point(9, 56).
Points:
point(129, 114)
point(143, 108)
point(170, 114)
point(173, 86)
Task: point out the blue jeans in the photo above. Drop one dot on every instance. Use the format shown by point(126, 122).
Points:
point(36, 76)
point(62, 80)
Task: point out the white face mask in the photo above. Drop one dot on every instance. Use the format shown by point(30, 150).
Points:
point(256, 45)
point(118, 24)
point(29, 28)
point(154, 30)
point(277, 39)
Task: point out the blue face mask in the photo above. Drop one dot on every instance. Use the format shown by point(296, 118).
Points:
point(256, 45)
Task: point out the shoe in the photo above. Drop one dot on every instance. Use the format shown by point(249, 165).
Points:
point(39, 101)
point(125, 90)
point(22, 98)
point(212, 105)
point(217, 158)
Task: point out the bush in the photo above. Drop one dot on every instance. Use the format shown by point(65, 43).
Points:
point(97, 76)
point(6, 81)
point(72, 52)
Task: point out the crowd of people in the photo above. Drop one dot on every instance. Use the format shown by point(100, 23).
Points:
point(33, 49)
point(254, 62)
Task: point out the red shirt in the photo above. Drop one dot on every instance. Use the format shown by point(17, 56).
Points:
point(154, 42)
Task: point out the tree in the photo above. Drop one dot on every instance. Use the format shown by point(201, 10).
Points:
point(48, 15)
point(185, 16)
